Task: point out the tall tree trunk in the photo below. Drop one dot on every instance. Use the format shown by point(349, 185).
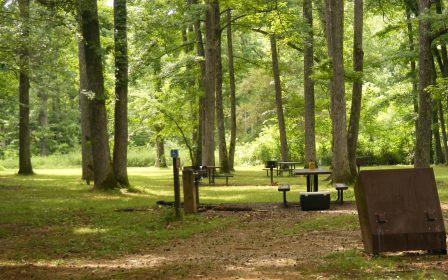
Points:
point(192, 92)
point(202, 80)
point(438, 152)
point(84, 106)
point(25, 167)
point(208, 137)
point(43, 123)
point(308, 64)
point(103, 174)
point(120, 160)
point(442, 61)
point(443, 126)
point(278, 99)
point(423, 141)
point(222, 145)
point(413, 65)
point(334, 12)
point(232, 145)
point(355, 111)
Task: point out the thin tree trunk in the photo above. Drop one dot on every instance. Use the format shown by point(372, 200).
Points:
point(232, 145)
point(161, 159)
point(158, 127)
point(308, 64)
point(43, 123)
point(443, 126)
point(438, 155)
point(355, 112)
point(25, 167)
point(202, 79)
point(120, 160)
point(334, 19)
point(84, 106)
point(102, 166)
point(194, 116)
point(278, 99)
point(438, 152)
point(222, 145)
point(423, 141)
point(413, 65)
point(208, 137)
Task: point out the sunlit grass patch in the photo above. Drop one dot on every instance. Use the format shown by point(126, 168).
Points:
point(355, 264)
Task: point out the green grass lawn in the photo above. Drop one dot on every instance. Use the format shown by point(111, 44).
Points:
point(53, 217)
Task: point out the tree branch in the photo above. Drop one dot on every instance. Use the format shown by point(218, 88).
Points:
point(187, 143)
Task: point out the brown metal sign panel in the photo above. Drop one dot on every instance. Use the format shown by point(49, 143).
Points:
point(399, 210)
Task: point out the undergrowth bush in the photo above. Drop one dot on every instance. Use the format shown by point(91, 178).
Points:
point(137, 157)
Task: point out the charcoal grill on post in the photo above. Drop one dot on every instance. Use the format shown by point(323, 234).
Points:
point(399, 210)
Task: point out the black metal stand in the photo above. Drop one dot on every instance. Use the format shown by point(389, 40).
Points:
point(285, 203)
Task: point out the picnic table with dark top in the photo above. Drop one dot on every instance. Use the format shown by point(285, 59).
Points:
point(286, 166)
point(311, 172)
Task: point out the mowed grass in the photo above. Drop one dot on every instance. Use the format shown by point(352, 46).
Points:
point(53, 217)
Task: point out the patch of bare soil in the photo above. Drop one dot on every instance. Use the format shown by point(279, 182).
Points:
point(255, 247)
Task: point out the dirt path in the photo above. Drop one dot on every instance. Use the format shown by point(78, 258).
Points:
point(255, 247)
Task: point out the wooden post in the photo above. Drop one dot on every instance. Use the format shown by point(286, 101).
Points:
point(189, 187)
point(175, 156)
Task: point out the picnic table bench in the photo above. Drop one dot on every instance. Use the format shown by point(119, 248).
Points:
point(224, 175)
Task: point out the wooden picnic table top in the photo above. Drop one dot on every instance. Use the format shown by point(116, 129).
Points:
point(310, 171)
point(288, 162)
point(213, 167)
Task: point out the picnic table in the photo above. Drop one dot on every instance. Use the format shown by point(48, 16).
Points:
point(211, 173)
point(311, 172)
point(286, 166)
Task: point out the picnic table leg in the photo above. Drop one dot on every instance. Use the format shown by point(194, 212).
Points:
point(316, 183)
point(308, 183)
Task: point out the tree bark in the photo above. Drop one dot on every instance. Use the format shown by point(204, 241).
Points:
point(84, 106)
point(438, 152)
point(308, 64)
point(43, 123)
point(25, 167)
point(202, 80)
point(423, 141)
point(278, 99)
point(121, 93)
point(208, 137)
point(222, 145)
point(358, 63)
point(413, 65)
point(442, 61)
point(158, 127)
point(232, 145)
point(161, 159)
point(443, 126)
point(334, 12)
point(103, 174)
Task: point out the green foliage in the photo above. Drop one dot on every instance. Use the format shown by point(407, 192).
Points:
point(164, 76)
